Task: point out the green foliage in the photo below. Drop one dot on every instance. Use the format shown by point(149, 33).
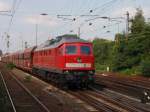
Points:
point(100, 68)
point(145, 67)
point(131, 71)
point(118, 62)
point(138, 22)
point(10, 66)
point(102, 51)
point(127, 71)
point(130, 56)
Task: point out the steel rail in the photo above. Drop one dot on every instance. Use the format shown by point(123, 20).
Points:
point(8, 93)
point(29, 92)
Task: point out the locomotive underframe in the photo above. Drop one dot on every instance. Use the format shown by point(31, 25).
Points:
point(67, 78)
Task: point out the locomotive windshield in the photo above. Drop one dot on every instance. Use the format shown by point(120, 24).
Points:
point(85, 50)
point(71, 49)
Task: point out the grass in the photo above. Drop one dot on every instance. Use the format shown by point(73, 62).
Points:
point(130, 72)
point(10, 66)
point(28, 78)
point(101, 68)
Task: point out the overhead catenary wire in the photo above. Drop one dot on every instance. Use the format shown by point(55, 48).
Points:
point(103, 5)
point(103, 9)
point(7, 12)
point(15, 7)
point(12, 12)
point(84, 3)
point(102, 28)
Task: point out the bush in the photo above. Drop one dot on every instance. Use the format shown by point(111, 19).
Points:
point(10, 66)
point(126, 71)
point(145, 67)
point(101, 68)
point(131, 71)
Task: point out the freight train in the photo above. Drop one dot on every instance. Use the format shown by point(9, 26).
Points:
point(67, 60)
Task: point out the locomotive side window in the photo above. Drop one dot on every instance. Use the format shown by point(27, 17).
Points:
point(85, 50)
point(71, 49)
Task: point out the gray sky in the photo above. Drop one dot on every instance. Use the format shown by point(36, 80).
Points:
point(27, 15)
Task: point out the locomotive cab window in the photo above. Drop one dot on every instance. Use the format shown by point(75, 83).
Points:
point(85, 50)
point(71, 49)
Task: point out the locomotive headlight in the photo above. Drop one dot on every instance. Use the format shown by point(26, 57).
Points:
point(66, 72)
point(92, 72)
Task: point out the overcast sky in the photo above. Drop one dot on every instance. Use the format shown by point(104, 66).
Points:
point(27, 15)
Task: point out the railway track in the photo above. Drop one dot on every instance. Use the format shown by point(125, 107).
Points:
point(101, 103)
point(107, 101)
point(121, 107)
point(49, 95)
point(21, 98)
point(139, 82)
point(126, 86)
point(124, 101)
point(9, 99)
point(98, 103)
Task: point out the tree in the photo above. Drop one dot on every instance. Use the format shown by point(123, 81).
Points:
point(138, 22)
point(118, 52)
point(145, 66)
point(132, 56)
point(119, 38)
point(102, 52)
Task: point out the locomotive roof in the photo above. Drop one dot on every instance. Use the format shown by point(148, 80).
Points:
point(58, 41)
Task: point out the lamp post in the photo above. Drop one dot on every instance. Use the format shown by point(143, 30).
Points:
point(36, 29)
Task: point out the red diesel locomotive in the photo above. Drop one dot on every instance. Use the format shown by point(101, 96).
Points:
point(65, 60)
